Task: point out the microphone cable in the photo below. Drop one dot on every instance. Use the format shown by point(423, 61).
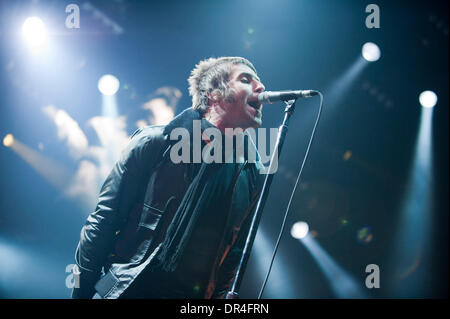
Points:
point(292, 196)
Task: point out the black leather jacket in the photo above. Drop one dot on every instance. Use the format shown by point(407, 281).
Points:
point(135, 207)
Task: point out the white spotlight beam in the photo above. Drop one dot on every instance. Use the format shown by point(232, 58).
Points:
point(342, 283)
point(411, 250)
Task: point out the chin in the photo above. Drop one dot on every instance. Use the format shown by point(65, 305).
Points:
point(251, 120)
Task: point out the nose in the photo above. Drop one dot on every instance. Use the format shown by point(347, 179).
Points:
point(259, 87)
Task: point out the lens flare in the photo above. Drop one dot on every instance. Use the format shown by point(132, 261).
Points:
point(364, 235)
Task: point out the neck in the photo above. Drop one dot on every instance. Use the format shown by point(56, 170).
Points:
point(216, 116)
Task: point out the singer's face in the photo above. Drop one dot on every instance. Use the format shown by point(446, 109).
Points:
point(243, 84)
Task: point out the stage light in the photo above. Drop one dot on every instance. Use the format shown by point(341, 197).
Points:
point(162, 112)
point(371, 52)
point(299, 230)
point(342, 283)
point(34, 32)
point(8, 140)
point(411, 252)
point(428, 99)
point(347, 155)
point(281, 283)
point(108, 84)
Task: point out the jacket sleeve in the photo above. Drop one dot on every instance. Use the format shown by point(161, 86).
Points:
point(117, 197)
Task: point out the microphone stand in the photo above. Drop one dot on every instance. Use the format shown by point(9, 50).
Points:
point(282, 131)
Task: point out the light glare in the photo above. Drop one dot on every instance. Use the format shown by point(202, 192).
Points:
point(428, 99)
point(8, 140)
point(34, 32)
point(108, 84)
point(371, 52)
point(299, 230)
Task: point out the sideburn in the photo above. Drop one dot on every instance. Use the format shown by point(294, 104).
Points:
point(230, 97)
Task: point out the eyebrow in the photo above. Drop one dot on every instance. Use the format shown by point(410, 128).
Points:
point(250, 75)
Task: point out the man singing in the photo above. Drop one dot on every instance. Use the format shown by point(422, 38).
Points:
point(169, 229)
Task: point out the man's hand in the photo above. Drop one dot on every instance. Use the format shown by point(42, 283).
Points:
point(84, 284)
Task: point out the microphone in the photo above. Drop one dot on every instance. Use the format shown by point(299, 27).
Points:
point(275, 96)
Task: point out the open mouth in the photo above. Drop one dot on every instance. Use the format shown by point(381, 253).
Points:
point(255, 104)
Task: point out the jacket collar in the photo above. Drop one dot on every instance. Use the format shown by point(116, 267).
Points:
point(184, 119)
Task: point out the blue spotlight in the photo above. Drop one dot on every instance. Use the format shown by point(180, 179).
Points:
point(280, 284)
point(412, 248)
point(342, 283)
point(428, 99)
point(371, 52)
point(342, 85)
